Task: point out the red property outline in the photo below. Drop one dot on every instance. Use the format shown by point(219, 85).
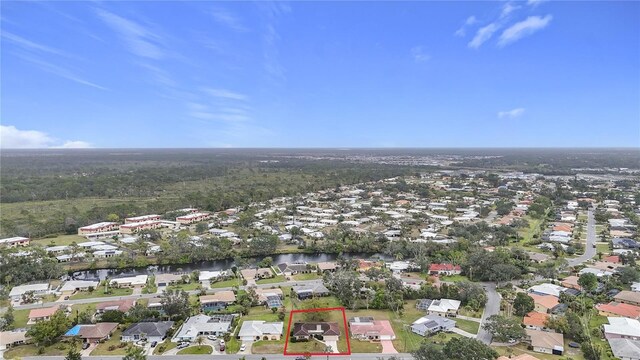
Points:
point(346, 329)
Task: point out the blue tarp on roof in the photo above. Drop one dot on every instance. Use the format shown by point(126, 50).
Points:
point(73, 331)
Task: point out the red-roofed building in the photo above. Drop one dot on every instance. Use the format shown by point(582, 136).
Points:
point(535, 320)
point(445, 269)
point(544, 303)
point(373, 331)
point(41, 314)
point(619, 309)
point(614, 259)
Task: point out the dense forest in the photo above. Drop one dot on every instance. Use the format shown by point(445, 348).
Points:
point(55, 191)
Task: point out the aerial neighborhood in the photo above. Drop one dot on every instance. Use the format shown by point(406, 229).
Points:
point(525, 265)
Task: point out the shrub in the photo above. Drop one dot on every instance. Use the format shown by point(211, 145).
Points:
point(111, 347)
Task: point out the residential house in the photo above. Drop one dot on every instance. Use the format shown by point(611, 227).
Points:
point(150, 331)
point(445, 269)
point(535, 320)
point(71, 286)
point(444, 307)
point(310, 290)
point(271, 298)
point(218, 301)
point(213, 276)
point(432, 324)
point(423, 304)
point(571, 282)
point(93, 333)
point(155, 304)
point(12, 338)
point(328, 330)
point(620, 327)
point(119, 305)
point(38, 290)
point(134, 227)
point(130, 281)
point(328, 266)
point(628, 297)
point(290, 269)
point(260, 330)
point(547, 289)
point(100, 227)
point(546, 342)
point(41, 314)
point(619, 309)
point(203, 325)
point(193, 218)
point(625, 349)
point(544, 303)
point(367, 329)
point(136, 219)
point(167, 279)
point(16, 241)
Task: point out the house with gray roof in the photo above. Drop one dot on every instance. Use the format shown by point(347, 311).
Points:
point(625, 349)
point(203, 325)
point(151, 331)
point(260, 330)
point(432, 324)
point(310, 290)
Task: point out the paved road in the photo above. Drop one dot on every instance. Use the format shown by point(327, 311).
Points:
point(590, 250)
point(148, 296)
point(233, 357)
point(492, 308)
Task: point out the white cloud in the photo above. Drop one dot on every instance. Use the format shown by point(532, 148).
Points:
point(511, 114)
point(419, 55)
point(229, 20)
point(62, 72)
point(30, 45)
point(507, 9)
point(228, 115)
point(523, 28)
point(484, 33)
point(75, 145)
point(225, 94)
point(535, 3)
point(462, 31)
point(14, 138)
point(140, 40)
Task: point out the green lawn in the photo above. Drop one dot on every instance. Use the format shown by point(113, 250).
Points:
point(268, 347)
point(275, 279)
point(454, 278)
point(312, 346)
point(58, 349)
point(59, 240)
point(20, 318)
point(358, 346)
point(99, 292)
point(227, 283)
point(196, 350)
point(603, 248)
point(186, 287)
point(309, 276)
point(467, 325)
point(164, 347)
point(103, 348)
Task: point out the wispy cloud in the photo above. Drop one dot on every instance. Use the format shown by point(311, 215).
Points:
point(535, 3)
point(482, 35)
point(31, 45)
point(272, 11)
point(225, 18)
point(462, 31)
point(511, 114)
point(507, 9)
point(14, 138)
point(225, 94)
point(227, 115)
point(138, 39)
point(418, 54)
point(523, 28)
point(61, 72)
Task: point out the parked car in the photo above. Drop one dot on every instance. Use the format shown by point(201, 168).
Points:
point(153, 344)
point(221, 347)
point(222, 342)
point(182, 345)
point(574, 344)
point(243, 347)
point(85, 346)
point(212, 337)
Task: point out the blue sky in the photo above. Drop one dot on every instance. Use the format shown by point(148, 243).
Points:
point(320, 74)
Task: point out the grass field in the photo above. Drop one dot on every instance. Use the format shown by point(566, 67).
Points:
point(186, 287)
point(100, 293)
point(58, 349)
point(467, 325)
point(103, 348)
point(59, 240)
point(275, 279)
point(227, 283)
point(196, 350)
point(358, 346)
point(454, 278)
point(309, 276)
point(20, 318)
point(164, 347)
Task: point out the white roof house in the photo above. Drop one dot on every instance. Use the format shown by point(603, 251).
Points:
point(138, 280)
point(73, 285)
point(17, 291)
point(547, 289)
point(208, 275)
point(622, 327)
point(444, 305)
point(201, 325)
point(255, 330)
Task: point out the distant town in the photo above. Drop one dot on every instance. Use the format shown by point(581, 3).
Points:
point(524, 265)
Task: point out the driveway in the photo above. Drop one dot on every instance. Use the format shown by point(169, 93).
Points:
point(387, 347)
point(248, 344)
point(137, 291)
point(87, 351)
point(463, 333)
point(333, 344)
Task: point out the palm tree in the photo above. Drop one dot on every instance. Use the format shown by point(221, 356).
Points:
point(200, 341)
